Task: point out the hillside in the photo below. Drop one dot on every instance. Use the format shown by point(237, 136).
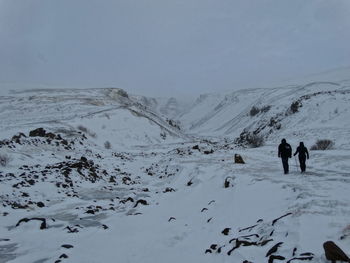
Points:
point(165, 187)
point(310, 111)
point(115, 116)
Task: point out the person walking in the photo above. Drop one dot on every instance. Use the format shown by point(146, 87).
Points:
point(303, 155)
point(285, 152)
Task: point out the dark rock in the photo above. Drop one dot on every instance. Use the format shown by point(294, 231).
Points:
point(40, 132)
point(189, 183)
point(40, 204)
point(72, 230)
point(63, 256)
point(90, 211)
point(169, 189)
point(213, 246)
point(31, 182)
point(273, 249)
point(141, 201)
point(67, 246)
point(239, 159)
point(228, 182)
point(225, 231)
point(273, 257)
point(334, 253)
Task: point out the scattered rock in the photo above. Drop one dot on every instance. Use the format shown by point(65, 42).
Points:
point(239, 159)
point(226, 231)
point(90, 211)
point(40, 204)
point(189, 183)
point(141, 201)
point(213, 246)
point(228, 182)
point(273, 249)
point(67, 246)
point(169, 189)
point(334, 253)
point(196, 147)
point(273, 257)
point(63, 256)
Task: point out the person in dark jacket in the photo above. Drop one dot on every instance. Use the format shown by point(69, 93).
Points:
point(303, 154)
point(285, 152)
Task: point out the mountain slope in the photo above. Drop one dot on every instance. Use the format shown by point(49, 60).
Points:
point(112, 113)
point(307, 111)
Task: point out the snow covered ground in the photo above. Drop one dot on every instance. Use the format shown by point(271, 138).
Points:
point(168, 191)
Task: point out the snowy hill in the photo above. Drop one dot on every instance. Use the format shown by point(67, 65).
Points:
point(111, 113)
point(99, 175)
point(306, 111)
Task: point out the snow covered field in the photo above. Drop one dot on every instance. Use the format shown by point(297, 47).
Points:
point(110, 178)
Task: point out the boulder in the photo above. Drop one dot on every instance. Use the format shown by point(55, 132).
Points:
point(239, 159)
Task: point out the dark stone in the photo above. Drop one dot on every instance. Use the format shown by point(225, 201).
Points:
point(239, 159)
point(213, 246)
point(169, 189)
point(334, 253)
point(40, 204)
point(141, 201)
point(226, 231)
point(40, 132)
point(273, 249)
point(273, 257)
point(67, 246)
point(196, 147)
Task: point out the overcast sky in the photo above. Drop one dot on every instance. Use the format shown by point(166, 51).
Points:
point(166, 47)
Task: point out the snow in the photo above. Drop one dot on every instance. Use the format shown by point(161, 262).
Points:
point(94, 208)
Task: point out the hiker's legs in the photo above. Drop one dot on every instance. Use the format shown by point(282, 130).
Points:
point(285, 165)
point(302, 164)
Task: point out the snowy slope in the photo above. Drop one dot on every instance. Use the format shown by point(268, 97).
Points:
point(111, 113)
point(319, 107)
point(160, 194)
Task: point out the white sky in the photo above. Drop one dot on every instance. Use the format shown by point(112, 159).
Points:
point(169, 47)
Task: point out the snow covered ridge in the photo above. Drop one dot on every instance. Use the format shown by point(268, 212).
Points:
point(308, 111)
point(117, 117)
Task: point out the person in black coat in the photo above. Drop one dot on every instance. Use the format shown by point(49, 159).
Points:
point(285, 152)
point(303, 154)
